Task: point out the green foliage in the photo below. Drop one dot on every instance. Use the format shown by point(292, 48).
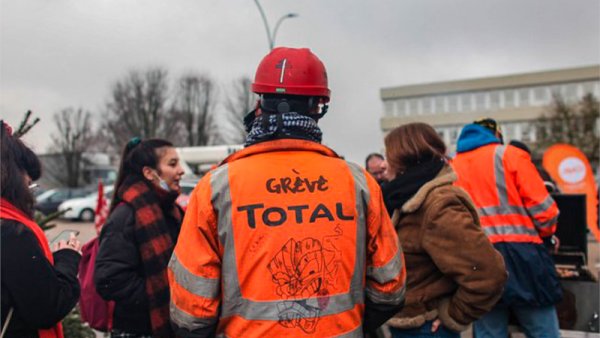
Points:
point(43, 220)
point(74, 328)
point(573, 123)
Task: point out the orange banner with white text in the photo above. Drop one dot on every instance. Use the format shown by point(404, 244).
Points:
point(571, 170)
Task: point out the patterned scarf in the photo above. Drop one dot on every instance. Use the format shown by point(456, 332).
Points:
point(283, 125)
point(155, 245)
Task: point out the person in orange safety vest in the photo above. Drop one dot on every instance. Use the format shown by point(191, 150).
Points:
point(516, 212)
point(285, 238)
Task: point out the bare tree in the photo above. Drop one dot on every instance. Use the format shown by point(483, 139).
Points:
point(138, 107)
point(575, 124)
point(71, 141)
point(101, 141)
point(195, 99)
point(238, 103)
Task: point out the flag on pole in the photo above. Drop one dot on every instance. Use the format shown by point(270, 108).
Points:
point(101, 211)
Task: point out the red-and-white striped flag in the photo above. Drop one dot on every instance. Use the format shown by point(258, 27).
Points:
point(101, 208)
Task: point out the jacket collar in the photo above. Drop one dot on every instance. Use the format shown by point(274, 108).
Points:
point(445, 177)
point(281, 145)
point(474, 136)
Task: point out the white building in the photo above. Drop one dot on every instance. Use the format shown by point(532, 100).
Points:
point(513, 100)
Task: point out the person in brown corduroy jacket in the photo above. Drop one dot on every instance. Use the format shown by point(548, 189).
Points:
point(454, 275)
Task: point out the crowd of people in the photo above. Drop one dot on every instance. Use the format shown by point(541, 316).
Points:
point(286, 238)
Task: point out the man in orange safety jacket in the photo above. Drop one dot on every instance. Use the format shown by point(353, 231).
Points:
point(285, 238)
point(516, 213)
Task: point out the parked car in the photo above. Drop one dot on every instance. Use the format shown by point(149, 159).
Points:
point(186, 190)
point(37, 191)
point(83, 208)
point(48, 201)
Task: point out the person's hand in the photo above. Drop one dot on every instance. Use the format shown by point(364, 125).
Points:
point(556, 242)
point(436, 325)
point(72, 244)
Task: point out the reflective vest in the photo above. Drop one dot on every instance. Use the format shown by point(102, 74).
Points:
point(284, 239)
point(510, 195)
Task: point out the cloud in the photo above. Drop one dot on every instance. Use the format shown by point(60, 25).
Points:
point(68, 53)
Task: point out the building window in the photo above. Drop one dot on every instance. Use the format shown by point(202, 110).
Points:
point(454, 135)
point(517, 131)
point(466, 102)
point(588, 87)
point(440, 132)
point(401, 106)
point(527, 132)
point(443, 134)
point(426, 105)
point(388, 106)
point(446, 137)
point(540, 94)
point(439, 105)
point(509, 98)
point(580, 90)
point(495, 100)
point(453, 103)
point(524, 97)
point(480, 101)
point(570, 91)
point(414, 107)
point(508, 131)
point(556, 90)
point(591, 87)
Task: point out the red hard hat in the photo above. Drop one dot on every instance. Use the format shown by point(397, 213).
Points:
point(293, 71)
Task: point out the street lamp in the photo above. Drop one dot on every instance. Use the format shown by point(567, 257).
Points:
point(289, 15)
point(271, 37)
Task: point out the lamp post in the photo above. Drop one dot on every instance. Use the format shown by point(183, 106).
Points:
point(289, 15)
point(271, 37)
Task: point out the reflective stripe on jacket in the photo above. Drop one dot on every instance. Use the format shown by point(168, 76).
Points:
point(509, 193)
point(284, 239)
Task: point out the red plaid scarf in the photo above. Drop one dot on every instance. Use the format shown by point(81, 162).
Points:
point(155, 245)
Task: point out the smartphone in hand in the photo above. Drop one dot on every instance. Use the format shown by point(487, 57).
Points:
point(63, 236)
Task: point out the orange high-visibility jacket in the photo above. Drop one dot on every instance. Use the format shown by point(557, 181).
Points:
point(284, 239)
point(509, 193)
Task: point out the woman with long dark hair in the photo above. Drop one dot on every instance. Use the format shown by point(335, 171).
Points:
point(138, 238)
point(39, 287)
point(454, 275)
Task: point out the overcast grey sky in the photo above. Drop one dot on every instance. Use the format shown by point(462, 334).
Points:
point(60, 53)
